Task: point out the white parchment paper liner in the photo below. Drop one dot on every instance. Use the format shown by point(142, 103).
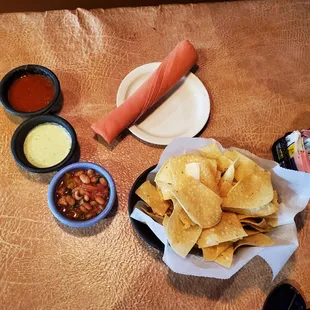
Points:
point(294, 193)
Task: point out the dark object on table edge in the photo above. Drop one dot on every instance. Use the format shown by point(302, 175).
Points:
point(284, 297)
point(19, 136)
point(18, 72)
point(143, 231)
point(280, 153)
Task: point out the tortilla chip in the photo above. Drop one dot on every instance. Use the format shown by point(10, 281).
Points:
point(180, 238)
point(166, 221)
point(218, 177)
point(164, 174)
point(211, 253)
point(225, 187)
point(258, 240)
point(228, 229)
point(244, 165)
point(250, 193)
point(246, 216)
point(259, 229)
point(251, 231)
point(262, 211)
point(275, 200)
point(187, 222)
point(211, 151)
point(272, 218)
point(273, 222)
point(212, 165)
point(226, 180)
point(232, 155)
point(149, 194)
point(225, 259)
point(193, 170)
point(223, 163)
point(178, 166)
point(229, 174)
point(258, 222)
point(201, 204)
point(245, 168)
point(147, 210)
point(165, 190)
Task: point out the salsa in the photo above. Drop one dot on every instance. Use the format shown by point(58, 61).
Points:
point(31, 93)
point(82, 194)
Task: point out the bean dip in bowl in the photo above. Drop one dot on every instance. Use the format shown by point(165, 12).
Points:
point(81, 194)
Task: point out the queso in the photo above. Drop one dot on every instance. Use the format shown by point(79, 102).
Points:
point(47, 144)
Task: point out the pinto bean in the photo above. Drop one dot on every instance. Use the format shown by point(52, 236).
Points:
point(84, 178)
point(103, 181)
point(62, 201)
point(90, 172)
point(78, 173)
point(100, 200)
point(70, 200)
point(90, 215)
point(87, 206)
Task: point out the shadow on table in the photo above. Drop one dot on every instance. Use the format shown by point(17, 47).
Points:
point(255, 274)
point(17, 120)
point(154, 253)
point(92, 230)
point(114, 144)
point(301, 218)
point(58, 107)
point(44, 178)
point(111, 146)
point(156, 146)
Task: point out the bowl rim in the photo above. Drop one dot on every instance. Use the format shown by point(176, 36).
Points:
point(49, 119)
point(27, 68)
point(55, 181)
point(150, 238)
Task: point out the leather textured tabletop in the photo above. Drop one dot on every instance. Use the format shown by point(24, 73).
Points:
point(254, 59)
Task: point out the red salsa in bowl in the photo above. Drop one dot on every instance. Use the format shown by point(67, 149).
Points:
point(31, 93)
point(30, 90)
point(82, 194)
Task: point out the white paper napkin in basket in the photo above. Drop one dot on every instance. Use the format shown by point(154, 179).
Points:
point(294, 193)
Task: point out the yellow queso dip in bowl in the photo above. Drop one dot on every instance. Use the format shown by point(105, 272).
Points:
point(44, 144)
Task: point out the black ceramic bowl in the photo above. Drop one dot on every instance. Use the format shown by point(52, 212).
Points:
point(19, 136)
point(16, 73)
point(142, 230)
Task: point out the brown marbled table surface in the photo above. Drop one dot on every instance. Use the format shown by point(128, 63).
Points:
point(254, 59)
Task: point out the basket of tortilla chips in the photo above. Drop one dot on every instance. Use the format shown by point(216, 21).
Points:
point(226, 204)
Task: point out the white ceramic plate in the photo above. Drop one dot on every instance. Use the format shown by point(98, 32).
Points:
point(183, 112)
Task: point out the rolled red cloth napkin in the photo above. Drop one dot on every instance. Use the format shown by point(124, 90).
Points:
point(171, 70)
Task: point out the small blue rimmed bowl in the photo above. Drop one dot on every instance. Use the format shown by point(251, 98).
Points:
point(51, 195)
